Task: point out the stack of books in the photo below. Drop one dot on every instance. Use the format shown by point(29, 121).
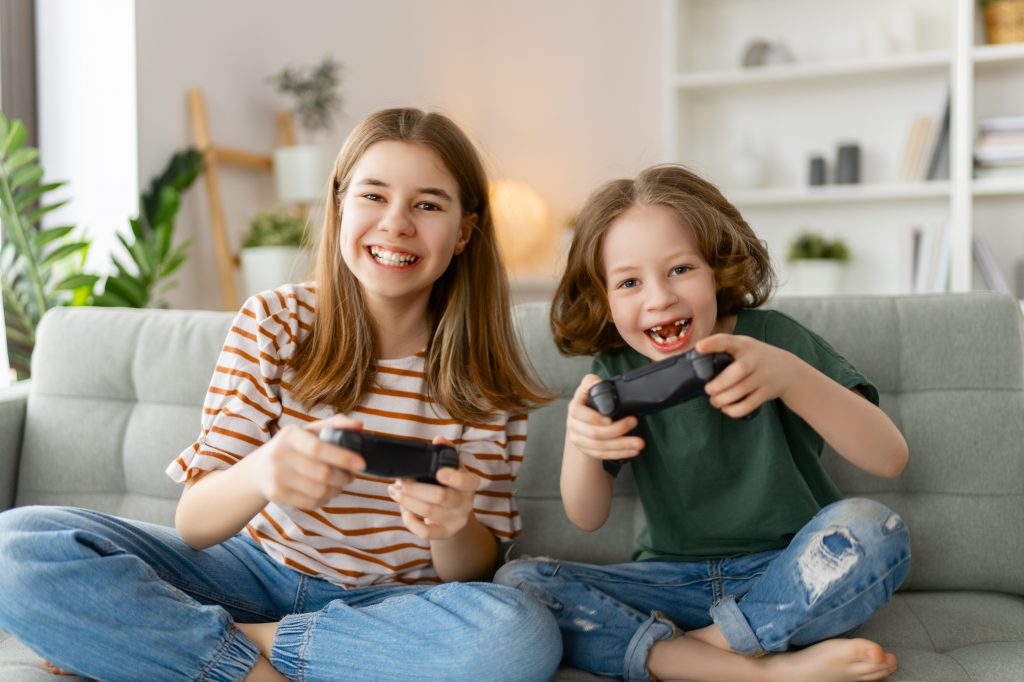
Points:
point(999, 150)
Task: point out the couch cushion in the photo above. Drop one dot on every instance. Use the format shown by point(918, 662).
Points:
point(116, 395)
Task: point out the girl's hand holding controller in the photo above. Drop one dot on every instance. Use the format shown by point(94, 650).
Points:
point(297, 469)
point(595, 435)
point(437, 512)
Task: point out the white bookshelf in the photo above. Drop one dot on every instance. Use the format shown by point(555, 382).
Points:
point(855, 78)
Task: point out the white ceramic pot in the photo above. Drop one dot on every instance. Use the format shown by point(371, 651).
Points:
point(301, 172)
point(268, 267)
point(815, 277)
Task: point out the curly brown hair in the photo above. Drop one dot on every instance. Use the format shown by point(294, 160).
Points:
point(744, 277)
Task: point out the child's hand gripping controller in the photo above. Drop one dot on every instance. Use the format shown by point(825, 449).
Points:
point(392, 457)
point(658, 385)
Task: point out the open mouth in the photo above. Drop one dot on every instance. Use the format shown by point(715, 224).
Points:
point(669, 334)
point(392, 259)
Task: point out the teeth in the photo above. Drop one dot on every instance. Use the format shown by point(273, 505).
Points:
point(683, 326)
point(382, 255)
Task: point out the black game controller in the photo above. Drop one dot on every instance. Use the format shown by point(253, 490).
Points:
point(392, 457)
point(658, 385)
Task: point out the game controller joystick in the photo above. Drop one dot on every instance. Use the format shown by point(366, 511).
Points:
point(392, 457)
point(658, 385)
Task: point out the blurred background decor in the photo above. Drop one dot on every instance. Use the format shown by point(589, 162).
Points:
point(274, 251)
point(816, 265)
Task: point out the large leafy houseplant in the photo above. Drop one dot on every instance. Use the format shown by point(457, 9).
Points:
point(39, 267)
point(154, 260)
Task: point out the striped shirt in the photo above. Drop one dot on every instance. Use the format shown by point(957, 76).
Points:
point(357, 538)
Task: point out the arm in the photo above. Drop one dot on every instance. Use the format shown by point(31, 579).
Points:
point(294, 468)
point(855, 428)
point(590, 438)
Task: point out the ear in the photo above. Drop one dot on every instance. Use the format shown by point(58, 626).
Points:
point(465, 232)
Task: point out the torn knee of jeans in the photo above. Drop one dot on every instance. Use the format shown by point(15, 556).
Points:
point(826, 559)
point(540, 595)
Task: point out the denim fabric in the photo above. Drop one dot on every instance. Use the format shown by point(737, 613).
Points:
point(838, 570)
point(122, 600)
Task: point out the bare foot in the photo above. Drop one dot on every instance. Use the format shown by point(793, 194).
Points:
point(834, 660)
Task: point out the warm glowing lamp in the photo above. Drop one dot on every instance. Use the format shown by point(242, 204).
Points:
point(521, 218)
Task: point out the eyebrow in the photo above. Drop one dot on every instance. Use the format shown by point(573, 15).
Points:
point(435, 191)
point(628, 267)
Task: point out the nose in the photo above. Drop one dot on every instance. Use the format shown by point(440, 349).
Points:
point(660, 295)
point(397, 221)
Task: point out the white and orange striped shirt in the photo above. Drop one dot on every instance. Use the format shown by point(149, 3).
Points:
point(357, 538)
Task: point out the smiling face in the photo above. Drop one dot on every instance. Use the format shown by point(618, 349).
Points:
point(401, 224)
point(661, 290)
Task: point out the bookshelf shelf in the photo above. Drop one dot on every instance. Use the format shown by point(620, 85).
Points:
point(731, 78)
point(987, 54)
point(1002, 187)
point(840, 194)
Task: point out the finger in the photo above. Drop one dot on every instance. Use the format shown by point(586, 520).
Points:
point(336, 421)
point(737, 371)
point(716, 343)
point(747, 405)
point(603, 431)
point(733, 394)
point(587, 414)
point(441, 440)
point(339, 457)
point(409, 502)
point(417, 527)
point(583, 390)
point(614, 451)
point(458, 479)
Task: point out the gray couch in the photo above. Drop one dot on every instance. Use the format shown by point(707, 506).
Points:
point(117, 393)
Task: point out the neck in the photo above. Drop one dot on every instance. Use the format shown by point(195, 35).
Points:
point(402, 326)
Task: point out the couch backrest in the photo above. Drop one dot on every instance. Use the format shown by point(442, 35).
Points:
point(950, 372)
point(116, 395)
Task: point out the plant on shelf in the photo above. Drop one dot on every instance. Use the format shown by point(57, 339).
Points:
point(144, 282)
point(40, 268)
point(315, 90)
point(274, 251)
point(300, 170)
point(816, 264)
point(813, 246)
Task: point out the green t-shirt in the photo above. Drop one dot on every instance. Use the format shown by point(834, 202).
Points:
point(712, 486)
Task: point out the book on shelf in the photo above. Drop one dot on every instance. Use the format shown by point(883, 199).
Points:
point(938, 159)
point(998, 172)
point(991, 276)
point(916, 151)
point(933, 250)
point(997, 123)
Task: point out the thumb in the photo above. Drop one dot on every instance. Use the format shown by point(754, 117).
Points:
point(716, 343)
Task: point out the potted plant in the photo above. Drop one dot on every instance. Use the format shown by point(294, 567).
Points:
point(274, 251)
point(816, 264)
point(1004, 20)
point(301, 170)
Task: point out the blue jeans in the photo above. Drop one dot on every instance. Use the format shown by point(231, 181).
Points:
point(838, 570)
point(121, 600)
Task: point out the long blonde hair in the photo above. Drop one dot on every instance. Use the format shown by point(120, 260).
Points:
point(744, 277)
point(474, 363)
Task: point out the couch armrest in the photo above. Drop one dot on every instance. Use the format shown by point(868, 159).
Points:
point(13, 400)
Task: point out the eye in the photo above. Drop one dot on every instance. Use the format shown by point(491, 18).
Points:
point(681, 269)
point(628, 283)
point(371, 196)
point(428, 206)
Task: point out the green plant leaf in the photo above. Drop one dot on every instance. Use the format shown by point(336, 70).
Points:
point(128, 290)
point(14, 139)
point(63, 251)
point(27, 196)
point(29, 175)
point(46, 236)
point(76, 281)
point(36, 215)
point(109, 299)
point(21, 157)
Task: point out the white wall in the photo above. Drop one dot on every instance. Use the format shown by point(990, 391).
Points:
point(561, 94)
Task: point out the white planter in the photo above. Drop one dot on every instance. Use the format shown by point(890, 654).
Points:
point(301, 172)
point(268, 267)
point(815, 277)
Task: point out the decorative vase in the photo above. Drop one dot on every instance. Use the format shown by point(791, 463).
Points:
point(301, 172)
point(1004, 22)
point(268, 267)
point(815, 277)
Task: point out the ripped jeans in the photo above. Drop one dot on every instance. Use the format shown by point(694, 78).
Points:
point(837, 571)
